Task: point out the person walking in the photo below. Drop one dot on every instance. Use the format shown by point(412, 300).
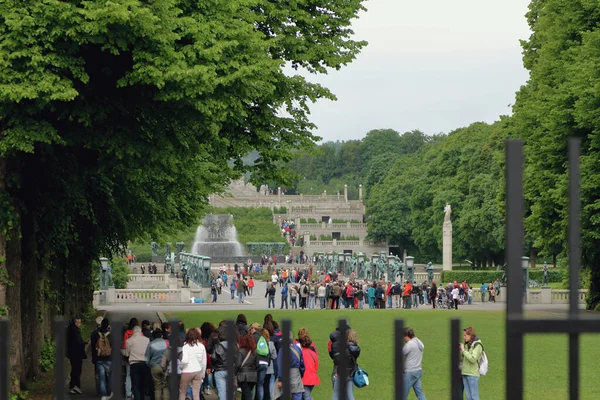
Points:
point(284, 295)
point(311, 364)
point(241, 290)
point(154, 353)
point(470, 355)
point(135, 349)
point(250, 285)
point(75, 354)
point(338, 349)
point(193, 364)
point(413, 372)
point(101, 353)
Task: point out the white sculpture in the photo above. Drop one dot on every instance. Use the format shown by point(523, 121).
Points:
point(447, 212)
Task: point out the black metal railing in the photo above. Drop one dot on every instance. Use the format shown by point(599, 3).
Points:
point(516, 325)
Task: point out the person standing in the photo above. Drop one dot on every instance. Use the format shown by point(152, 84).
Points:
point(433, 293)
point(250, 286)
point(483, 291)
point(296, 366)
point(321, 294)
point(271, 295)
point(193, 364)
point(371, 293)
point(232, 288)
point(75, 354)
point(470, 355)
point(284, 295)
point(455, 294)
point(413, 356)
point(241, 290)
point(406, 295)
point(247, 362)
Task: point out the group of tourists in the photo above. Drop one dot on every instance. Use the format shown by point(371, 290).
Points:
point(202, 359)
point(151, 269)
point(202, 364)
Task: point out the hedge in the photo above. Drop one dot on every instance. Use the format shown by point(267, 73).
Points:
point(554, 275)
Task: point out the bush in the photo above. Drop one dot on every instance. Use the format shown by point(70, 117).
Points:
point(490, 276)
point(325, 237)
point(47, 356)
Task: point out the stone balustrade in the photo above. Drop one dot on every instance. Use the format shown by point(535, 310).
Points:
point(147, 277)
point(149, 296)
point(563, 296)
point(151, 281)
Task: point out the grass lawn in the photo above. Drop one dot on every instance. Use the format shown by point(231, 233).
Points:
point(546, 363)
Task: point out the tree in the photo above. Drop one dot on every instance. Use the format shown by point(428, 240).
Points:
point(117, 119)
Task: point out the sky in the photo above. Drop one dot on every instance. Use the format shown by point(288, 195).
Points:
point(433, 65)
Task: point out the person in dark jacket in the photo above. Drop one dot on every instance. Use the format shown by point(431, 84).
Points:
point(247, 362)
point(339, 349)
point(75, 354)
point(219, 361)
point(146, 330)
point(242, 324)
point(103, 363)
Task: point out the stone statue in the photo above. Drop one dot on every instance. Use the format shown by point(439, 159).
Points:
point(429, 269)
point(447, 212)
point(180, 246)
point(108, 279)
point(545, 277)
point(154, 249)
point(168, 250)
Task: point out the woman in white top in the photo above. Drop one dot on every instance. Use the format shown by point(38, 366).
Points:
point(193, 364)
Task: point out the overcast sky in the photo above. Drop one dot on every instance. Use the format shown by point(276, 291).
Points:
point(433, 65)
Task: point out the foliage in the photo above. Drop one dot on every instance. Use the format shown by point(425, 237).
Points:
point(253, 224)
point(477, 277)
point(560, 101)
point(48, 356)
point(433, 329)
point(280, 210)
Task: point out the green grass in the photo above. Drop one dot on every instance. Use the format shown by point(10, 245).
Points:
point(546, 363)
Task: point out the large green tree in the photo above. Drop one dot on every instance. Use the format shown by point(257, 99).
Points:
point(559, 101)
point(118, 118)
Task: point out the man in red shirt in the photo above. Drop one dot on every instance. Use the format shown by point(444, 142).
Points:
point(407, 295)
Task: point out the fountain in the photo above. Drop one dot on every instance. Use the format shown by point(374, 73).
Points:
point(217, 238)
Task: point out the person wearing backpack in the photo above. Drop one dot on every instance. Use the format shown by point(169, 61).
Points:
point(297, 369)
point(262, 355)
point(101, 357)
point(471, 353)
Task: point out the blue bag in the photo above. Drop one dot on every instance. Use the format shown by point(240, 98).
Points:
point(360, 378)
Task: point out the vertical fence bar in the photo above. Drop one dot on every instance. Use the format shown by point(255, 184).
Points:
point(231, 351)
point(116, 378)
point(4, 358)
point(574, 262)
point(286, 364)
point(399, 359)
point(455, 378)
point(175, 343)
point(515, 283)
point(59, 332)
point(343, 359)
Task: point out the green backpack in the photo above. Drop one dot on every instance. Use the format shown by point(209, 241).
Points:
point(262, 347)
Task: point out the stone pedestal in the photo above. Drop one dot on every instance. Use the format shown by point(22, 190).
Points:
point(111, 296)
point(447, 246)
point(546, 295)
point(185, 295)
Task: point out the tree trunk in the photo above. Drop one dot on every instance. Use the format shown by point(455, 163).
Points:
point(32, 290)
point(3, 271)
point(532, 257)
point(13, 300)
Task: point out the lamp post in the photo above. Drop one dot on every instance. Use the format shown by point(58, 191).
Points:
point(410, 264)
point(525, 268)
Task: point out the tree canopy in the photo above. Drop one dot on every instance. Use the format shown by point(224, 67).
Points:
point(117, 119)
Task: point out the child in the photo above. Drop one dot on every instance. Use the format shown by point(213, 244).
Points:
point(470, 295)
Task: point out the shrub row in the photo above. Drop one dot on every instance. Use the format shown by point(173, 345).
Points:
point(554, 275)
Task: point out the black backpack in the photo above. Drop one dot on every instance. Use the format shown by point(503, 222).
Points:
point(305, 290)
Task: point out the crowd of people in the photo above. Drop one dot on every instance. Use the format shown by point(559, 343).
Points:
point(300, 289)
point(202, 359)
point(202, 364)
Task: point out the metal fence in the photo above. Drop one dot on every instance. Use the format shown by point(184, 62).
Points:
point(516, 325)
